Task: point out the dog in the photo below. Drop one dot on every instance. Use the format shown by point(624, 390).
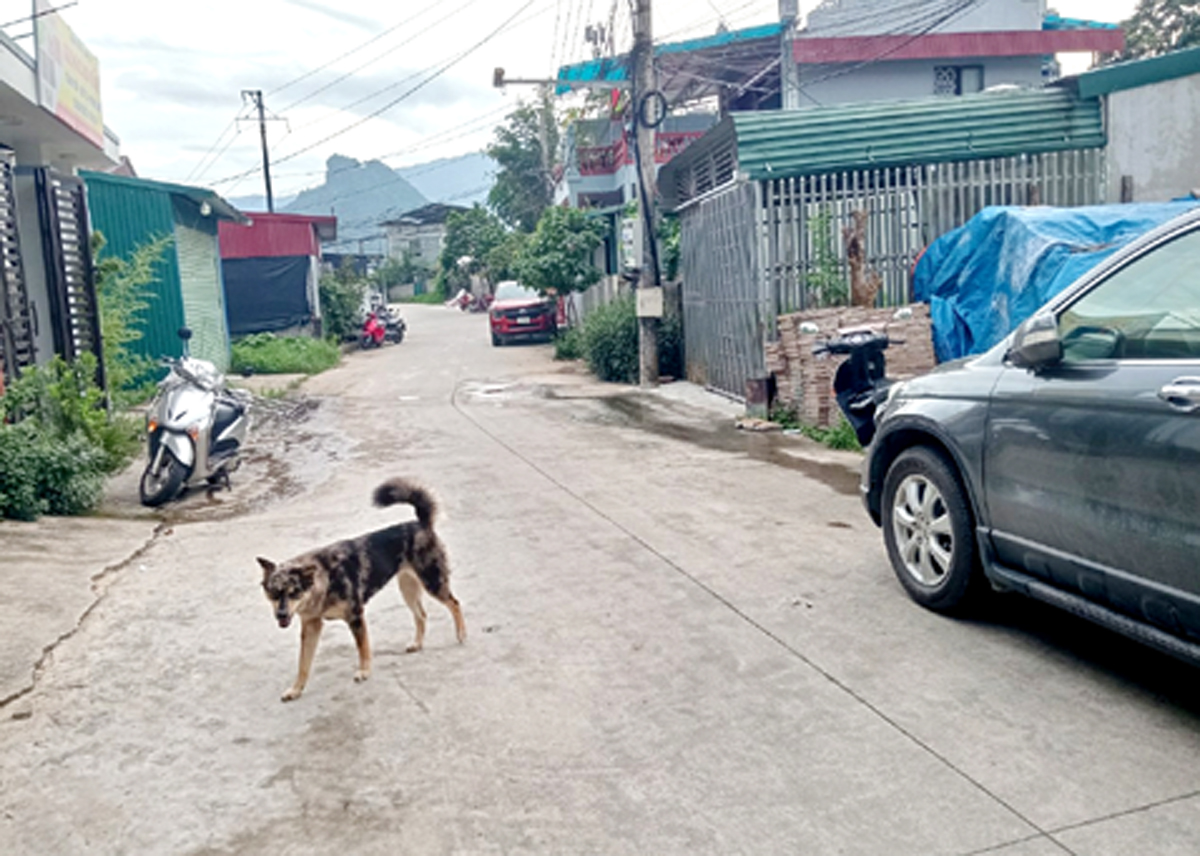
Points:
point(337, 581)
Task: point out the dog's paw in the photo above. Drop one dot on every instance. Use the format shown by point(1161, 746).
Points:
point(412, 649)
point(361, 675)
point(291, 695)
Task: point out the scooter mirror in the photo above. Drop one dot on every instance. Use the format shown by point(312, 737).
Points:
point(185, 333)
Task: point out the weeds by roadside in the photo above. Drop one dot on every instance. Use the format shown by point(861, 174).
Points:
point(57, 442)
point(840, 436)
point(266, 353)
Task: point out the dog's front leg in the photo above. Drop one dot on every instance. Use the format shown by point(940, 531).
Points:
point(358, 626)
point(310, 634)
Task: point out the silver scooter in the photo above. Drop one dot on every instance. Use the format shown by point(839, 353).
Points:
point(195, 427)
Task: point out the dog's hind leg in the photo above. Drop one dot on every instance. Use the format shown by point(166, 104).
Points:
point(411, 588)
point(310, 634)
point(451, 603)
point(358, 626)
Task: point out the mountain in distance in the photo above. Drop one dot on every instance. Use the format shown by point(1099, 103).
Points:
point(463, 180)
point(363, 195)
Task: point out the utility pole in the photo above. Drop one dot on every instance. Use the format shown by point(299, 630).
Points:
point(789, 71)
point(649, 298)
point(256, 96)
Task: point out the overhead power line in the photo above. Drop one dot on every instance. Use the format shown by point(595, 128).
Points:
point(429, 78)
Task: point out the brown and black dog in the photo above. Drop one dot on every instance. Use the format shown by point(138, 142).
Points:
point(338, 580)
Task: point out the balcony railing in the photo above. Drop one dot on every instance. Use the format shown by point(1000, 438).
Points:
point(607, 160)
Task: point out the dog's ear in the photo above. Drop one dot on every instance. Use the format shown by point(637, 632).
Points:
point(267, 565)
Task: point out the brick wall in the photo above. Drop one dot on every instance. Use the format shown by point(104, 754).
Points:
point(804, 382)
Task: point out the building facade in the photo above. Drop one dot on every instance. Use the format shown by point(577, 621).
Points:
point(420, 234)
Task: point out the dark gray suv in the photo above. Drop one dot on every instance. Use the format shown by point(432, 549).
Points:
point(1065, 463)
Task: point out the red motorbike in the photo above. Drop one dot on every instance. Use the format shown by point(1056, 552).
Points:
point(382, 325)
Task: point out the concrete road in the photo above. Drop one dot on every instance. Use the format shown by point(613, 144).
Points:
point(682, 639)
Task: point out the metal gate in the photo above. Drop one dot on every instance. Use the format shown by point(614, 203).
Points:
point(68, 257)
point(16, 322)
point(723, 307)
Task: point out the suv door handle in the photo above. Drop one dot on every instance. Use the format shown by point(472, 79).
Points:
point(1183, 393)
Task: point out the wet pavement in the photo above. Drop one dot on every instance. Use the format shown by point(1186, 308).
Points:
point(683, 638)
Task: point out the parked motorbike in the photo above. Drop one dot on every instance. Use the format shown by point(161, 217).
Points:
point(196, 427)
point(383, 325)
point(861, 383)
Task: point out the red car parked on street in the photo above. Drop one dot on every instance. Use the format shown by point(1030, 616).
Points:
point(518, 312)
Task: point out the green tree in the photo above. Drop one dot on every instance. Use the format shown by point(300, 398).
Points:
point(342, 294)
point(524, 185)
point(558, 257)
point(471, 236)
point(501, 260)
point(1160, 26)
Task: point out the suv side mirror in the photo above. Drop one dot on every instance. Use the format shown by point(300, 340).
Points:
point(1036, 343)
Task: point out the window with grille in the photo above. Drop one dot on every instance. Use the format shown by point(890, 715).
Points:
point(957, 79)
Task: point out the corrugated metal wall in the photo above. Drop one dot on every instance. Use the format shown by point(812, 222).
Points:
point(724, 316)
point(201, 286)
point(130, 217)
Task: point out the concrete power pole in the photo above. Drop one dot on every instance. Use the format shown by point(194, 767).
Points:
point(256, 96)
point(789, 71)
point(649, 298)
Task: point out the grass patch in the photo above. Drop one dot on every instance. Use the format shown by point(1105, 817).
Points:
point(840, 436)
point(266, 353)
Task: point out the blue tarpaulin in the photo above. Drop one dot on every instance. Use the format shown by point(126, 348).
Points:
point(985, 278)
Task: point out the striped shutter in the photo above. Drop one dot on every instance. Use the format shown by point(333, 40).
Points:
point(16, 326)
point(203, 296)
point(69, 266)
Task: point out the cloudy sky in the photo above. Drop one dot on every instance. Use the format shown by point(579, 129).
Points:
point(172, 73)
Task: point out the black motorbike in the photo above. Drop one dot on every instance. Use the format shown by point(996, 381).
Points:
point(861, 382)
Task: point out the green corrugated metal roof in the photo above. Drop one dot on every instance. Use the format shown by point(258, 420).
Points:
point(1139, 72)
point(133, 212)
point(221, 209)
point(812, 141)
point(130, 217)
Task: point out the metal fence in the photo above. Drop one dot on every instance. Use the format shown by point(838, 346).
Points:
point(724, 309)
point(753, 251)
point(906, 209)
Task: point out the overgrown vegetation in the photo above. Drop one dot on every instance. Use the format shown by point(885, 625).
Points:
point(342, 294)
point(123, 295)
point(57, 441)
point(266, 353)
point(825, 283)
point(568, 344)
point(840, 436)
point(608, 341)
point(524, 186)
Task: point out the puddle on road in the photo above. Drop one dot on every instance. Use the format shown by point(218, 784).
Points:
point(771, 448)
point(292, 445)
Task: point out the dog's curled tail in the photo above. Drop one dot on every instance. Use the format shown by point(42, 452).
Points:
point(396, 491)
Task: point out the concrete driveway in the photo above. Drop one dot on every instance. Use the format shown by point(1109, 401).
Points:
point(682, 639)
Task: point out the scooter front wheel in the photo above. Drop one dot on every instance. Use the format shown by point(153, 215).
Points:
point(156, 489)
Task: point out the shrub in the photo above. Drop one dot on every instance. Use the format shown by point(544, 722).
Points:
point(341, 300)
point(610, 342)
point(61, 442)
point(568, 344)
point(266, 353)
point(123, 295)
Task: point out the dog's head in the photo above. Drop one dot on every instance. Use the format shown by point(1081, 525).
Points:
point(285, 586)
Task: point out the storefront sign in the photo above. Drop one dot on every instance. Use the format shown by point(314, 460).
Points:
point(68, 75)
